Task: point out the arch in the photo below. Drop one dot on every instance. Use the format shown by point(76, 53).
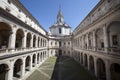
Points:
point(5, 32)
point(17, 68)
point(4, 71)
point(34, 60)
point(85, 41)
point(41, 56)
point(38, 58)
point(90, 40)
point(41, 42)
point(100, 39)
point(45, 43)
point(115, 71)
point(91, 64)
point(29, 36)
point(114, 34)
point(81, 58)
point(101, 71)
point(34, 41)
point(38, 41)
point(60, 52)
point(85, 60)
point(27, 63)
point(19, 38)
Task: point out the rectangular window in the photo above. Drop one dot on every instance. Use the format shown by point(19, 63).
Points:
point(115, 40)
point(59, 44)
point(59, 30)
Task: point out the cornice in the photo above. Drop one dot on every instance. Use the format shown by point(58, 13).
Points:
point(16, 20)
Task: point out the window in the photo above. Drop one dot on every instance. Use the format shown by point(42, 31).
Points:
point(60, 30)
point(9, 1)
point(109, 1)
point(55, 43)
point(59, 44)
point(51, 52)
point(7, 9)
point(64, 43)
point(115, 40)
point(51, 43)
point(68, 43)
point(99, 9)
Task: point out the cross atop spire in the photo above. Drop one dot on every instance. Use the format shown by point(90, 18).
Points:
point(60, 18)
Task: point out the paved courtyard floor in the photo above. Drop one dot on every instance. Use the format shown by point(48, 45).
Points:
point(61, 68)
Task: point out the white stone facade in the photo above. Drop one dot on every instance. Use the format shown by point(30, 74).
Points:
point(24, 44)
point(96, 40)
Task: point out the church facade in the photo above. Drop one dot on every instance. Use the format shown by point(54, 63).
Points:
point(60, 37)
point(25, 44)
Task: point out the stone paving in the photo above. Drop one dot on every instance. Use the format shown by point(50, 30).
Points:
point(61, 68)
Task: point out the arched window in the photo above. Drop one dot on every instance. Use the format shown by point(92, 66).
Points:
point(9, 1)
point(60, 31)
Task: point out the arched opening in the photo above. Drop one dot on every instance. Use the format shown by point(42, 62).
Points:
point(5, 32)
point(41, 42)
point(17, 68)
point(101, 72)
point(45, 54)
point(100, 39)
point(90, 40)
point(85, 42)
point(38, 42)
point(115, 71)
point(3, 71)
point(33, 61)
point(28, 40)
point(60, 52)
point(91, 63)
point(114, 36)
point(19, 38)
point(45, 43)
point(38, 58)
point(27, 64)
point(41, 57)
point(81, 58)
point(34, 40)
point(85, 59)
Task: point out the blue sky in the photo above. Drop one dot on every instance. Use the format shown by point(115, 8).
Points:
point(45, 11)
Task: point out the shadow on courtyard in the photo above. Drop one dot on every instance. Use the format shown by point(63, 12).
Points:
point(68, 69)
point(61, 68)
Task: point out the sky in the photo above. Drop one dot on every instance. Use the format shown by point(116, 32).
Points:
point(45, 11)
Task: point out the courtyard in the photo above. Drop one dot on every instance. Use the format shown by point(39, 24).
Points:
point(61, 68)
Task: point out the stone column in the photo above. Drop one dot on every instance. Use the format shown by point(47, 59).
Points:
point(12, 39)
point(31, 41)
point(36, 60)
point(83, 60)
point(80, 58)
point(23, 68)
point(107, 66)
point(88, 61)
point(10, 72)
point(82, 42)
point(87, 41)
point(24, 40)
point(95, 65)
point(39, 58)
point(105, 39)
point(94, 41)
point(39, 42)
point(36, 42)
point(31, 62)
